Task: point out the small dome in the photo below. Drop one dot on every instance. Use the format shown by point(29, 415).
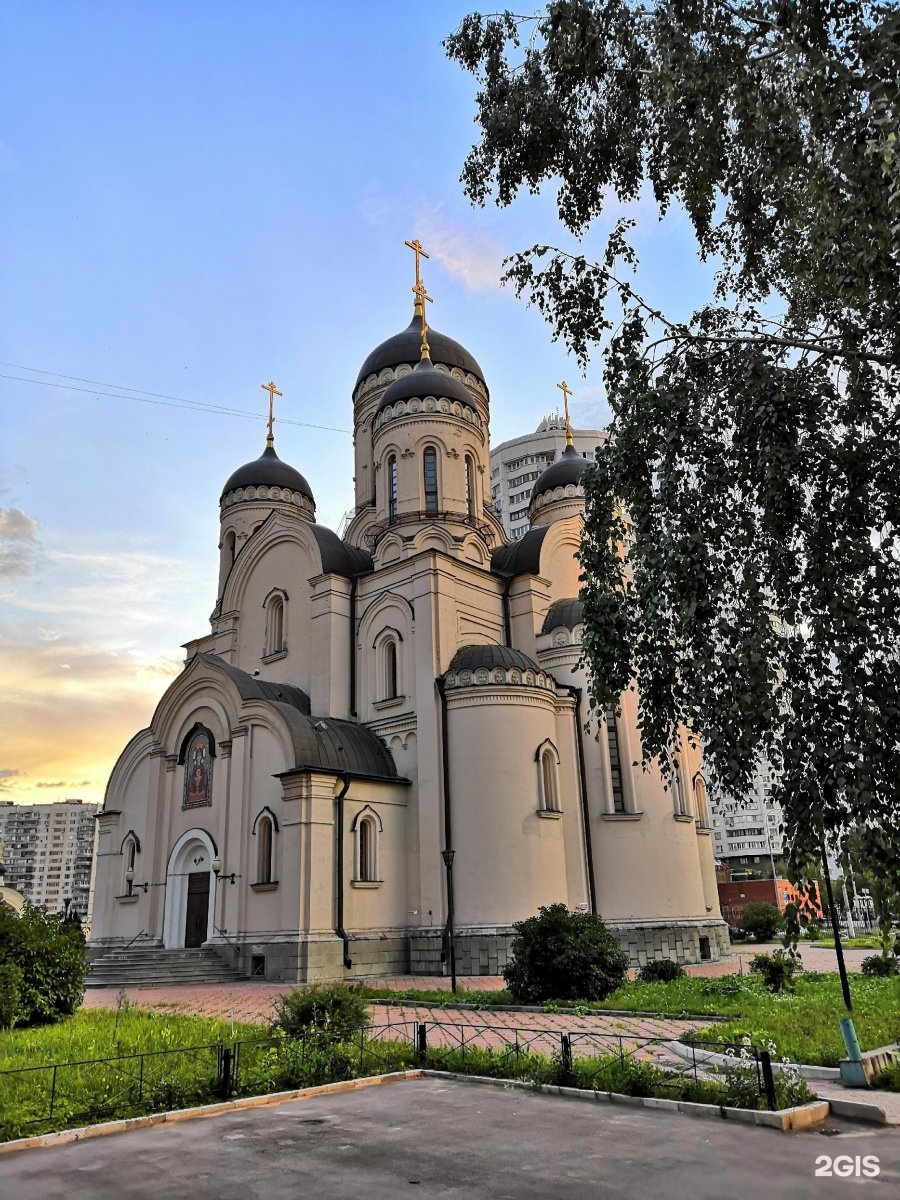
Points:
point(268, 471)
point(565, 613)
point(470, 658)
point(425, 380)
point(406, 347)
point(567, 469)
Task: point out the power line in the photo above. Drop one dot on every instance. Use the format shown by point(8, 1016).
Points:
point(161, 399)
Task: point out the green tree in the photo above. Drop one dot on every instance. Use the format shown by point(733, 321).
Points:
point(761, 920)
point(741, 549)
point(48, 961)
point(563, 955)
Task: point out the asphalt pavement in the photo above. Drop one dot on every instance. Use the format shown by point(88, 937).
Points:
point(439, 1139)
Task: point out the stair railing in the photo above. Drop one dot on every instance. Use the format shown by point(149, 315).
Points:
point(234, 946)
point(143, 933)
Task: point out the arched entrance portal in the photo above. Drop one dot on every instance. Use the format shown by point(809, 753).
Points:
point(190, 891)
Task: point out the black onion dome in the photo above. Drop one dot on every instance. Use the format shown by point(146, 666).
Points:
point(426, 380)
point(406, 347)
point(268, 471)
point(565, 613)
point(567, 469)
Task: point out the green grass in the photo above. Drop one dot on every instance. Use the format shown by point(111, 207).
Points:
point(858, 943)
point(439, 998)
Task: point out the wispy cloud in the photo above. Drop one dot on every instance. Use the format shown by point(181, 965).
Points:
point(465, 253)
point(8, 778)
point(18, 544)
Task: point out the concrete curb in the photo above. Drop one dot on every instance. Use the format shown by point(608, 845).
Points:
point(559, 1012)
point(713, 1059)
point(858, 1110)
point(64, 1136)
point(786, 1119)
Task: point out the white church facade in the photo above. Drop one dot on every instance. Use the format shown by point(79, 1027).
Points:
point(377, 723)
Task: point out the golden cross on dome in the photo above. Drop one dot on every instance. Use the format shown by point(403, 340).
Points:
point(416, 248)
point(567, 392)
point(273, 392)
point(421, 297)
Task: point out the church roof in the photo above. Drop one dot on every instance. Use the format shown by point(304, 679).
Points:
point(338, 747)
point(470, 658)
point(406, 347)
point(319, 743)
point(522, 557)
point(268, 471)
point(567, 469)
point(338, 557)
point(253, 688)
point(565, 613)
point(425, 380)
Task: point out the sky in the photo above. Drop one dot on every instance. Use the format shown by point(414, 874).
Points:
point(196, 198)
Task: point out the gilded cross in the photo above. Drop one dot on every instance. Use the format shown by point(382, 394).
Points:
point(273, 392)
point(422, 296)
point(416, 248)
point(567, 392)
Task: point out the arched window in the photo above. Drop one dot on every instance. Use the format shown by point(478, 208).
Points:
point(679, 799)
point(470, 486)
point(275, 642)
point(429, 460)
point(230, 550)
point(390, 670)
point(392, 488)
point(264, 832)
point(617, 791)
point(367, 850)
point(129, 853)
point(548, 778)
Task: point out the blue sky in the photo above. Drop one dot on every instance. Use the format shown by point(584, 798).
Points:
point(195, 198)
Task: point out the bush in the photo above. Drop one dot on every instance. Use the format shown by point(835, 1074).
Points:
point(777, 970)
point(341, 1011)
point(813, 931)
point(879, 965)
point(10, 994)
point(562, 955)
point(49, 953)
point(661, 970)
point(761, 920)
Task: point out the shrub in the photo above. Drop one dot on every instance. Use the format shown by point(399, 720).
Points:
point(879, 964)
point(49, 952)
point(341, 1011)
point(777, 970)
point(661, 970)
point(10, 994)
point(813, 931)
point(562, 955)
point(761, 920)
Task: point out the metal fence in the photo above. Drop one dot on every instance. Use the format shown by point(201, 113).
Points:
point(61, 1094)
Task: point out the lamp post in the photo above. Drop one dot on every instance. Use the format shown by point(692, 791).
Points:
point(447, 856)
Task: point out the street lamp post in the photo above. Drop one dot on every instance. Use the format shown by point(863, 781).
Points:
point(447, 856)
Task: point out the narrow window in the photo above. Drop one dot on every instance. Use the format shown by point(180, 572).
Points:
point(230, 541)
point(549, 791)
point(276, 626)
point(264, 851)
point(615, 762)
point(700, 797)
point(678, 796)
point(392, 489)
point(365, 851)
point(390, 670)
point(470, 487)
point(431, 490)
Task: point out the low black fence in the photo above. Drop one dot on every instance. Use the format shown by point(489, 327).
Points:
point(64, 1094)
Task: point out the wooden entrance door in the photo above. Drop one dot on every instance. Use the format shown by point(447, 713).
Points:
point(197, 908)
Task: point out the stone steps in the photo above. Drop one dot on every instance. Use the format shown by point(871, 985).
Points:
point(146, 966)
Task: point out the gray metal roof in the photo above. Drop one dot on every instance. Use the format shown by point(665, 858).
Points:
point(567, 469)
point(319, 743)
point(522, 557)
point(470, 658)
point(425, 380)
point(562, 612)
point(339, 557)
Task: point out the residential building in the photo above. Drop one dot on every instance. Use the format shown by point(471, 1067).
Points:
point(49, 852)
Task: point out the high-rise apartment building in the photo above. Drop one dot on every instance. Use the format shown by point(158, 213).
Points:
point(49, 852)
point(516, 464)
point(747, 832)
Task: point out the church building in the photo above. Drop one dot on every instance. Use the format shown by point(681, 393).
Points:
point(377, 754)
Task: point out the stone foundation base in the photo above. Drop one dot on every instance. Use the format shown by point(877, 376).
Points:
point(684, 941)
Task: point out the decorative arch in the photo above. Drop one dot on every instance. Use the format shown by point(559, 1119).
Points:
point(276, 606)
point(265, 827)
point(547, 758)
point(198, 749)
point(192, 856)
point(265, 811)
point(367, 828)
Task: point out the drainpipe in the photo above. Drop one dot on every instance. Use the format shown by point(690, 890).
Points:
point(339, 870)
point(507, 620)
point(447, 853)
point(353, 582)
point(576, 692)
